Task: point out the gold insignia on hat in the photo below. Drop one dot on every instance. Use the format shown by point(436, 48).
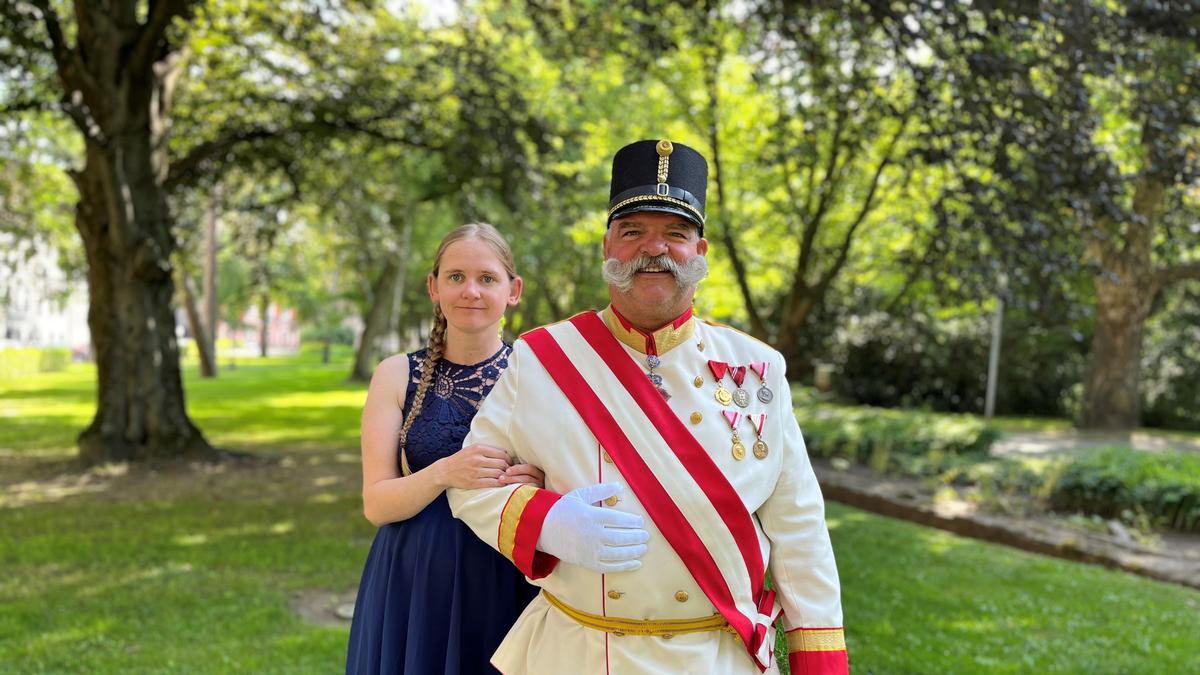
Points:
point(664, 149)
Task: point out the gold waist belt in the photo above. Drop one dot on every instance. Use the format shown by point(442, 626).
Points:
point(664, 628)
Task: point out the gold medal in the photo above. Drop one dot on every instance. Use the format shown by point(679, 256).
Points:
point(718, 369)
point(738, 450)
point(760, 446)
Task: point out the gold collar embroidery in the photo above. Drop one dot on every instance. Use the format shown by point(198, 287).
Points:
point(660, 341)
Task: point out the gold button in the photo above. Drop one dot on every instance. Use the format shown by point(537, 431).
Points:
point(668, 636)
point(612, 501)
point(607, 458)
point(700, 345)
point(696, 417)
point(699, 381)
point(615, 595)
point(681, 596)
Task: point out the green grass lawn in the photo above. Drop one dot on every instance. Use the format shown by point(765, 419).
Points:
point(191, 569)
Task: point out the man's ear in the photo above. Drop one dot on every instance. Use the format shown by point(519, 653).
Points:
point(702, 246)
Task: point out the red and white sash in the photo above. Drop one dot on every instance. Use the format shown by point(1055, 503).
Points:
point(678, 483)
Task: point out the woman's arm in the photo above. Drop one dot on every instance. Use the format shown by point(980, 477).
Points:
point(389, 497)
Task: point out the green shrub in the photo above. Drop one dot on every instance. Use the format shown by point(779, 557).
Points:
point(338, 335)
point(1118, 482)
point(890, 441)
point(20, 361)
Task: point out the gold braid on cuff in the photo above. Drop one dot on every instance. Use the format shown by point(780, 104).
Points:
point(816, 640)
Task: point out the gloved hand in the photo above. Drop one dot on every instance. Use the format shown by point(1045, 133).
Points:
point(598, 539)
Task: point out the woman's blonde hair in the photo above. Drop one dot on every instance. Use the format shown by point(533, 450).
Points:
point(489, 235)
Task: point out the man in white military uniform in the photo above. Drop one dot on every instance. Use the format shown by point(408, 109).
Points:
point(676, 475)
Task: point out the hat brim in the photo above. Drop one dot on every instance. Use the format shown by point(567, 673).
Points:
point(658, 207)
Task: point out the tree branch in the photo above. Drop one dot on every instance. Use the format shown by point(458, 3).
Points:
point(812, 220)
point(1174, 274)
point(867, 205)
point(162, 12)
point(58, 44)
point(188, 167)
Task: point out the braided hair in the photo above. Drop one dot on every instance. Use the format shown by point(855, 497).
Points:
point(436, 346)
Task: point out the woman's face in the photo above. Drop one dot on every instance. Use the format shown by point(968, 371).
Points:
point(472, 286)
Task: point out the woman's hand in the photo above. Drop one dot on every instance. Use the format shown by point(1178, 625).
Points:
point(475, 466)
point(527, 474)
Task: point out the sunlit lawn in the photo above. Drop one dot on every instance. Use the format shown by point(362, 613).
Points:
point(189, 570)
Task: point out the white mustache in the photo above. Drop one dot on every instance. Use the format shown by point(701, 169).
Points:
point(687, 275)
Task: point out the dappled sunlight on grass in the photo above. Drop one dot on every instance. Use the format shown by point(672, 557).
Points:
point(279, 402)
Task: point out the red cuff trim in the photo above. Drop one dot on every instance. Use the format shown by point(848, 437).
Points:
point(819, 663)
point(533, 563)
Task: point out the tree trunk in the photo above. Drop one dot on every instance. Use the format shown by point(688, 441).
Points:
point(123, 220)
point(117, 84)
point(264, 327)
point(200, 333)
point(326, 348)
point(1125, 291)
point(210, 275)
point(401, 274)
point(376, 321)
point(794, 316)
point(1111, 396)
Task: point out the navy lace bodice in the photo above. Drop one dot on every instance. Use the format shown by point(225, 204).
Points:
point(453, 398)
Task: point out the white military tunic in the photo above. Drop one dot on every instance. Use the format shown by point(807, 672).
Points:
point(528, 415)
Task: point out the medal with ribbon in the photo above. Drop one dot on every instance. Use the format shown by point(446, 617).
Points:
point(738, 450)
point(760, 446)
point(760, 369)
point(718, 369)
point(740, 396)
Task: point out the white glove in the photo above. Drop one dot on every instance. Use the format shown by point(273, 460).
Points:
point(598, 539)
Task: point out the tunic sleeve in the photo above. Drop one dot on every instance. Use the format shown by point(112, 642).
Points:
point(802, 563)
point(508, 518)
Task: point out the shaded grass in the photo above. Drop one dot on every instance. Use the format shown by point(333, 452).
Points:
point(190, 569)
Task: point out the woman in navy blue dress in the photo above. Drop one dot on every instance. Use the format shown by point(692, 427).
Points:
point(433, 597)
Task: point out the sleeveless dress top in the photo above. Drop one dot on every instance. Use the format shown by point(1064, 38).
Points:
point(433, 597)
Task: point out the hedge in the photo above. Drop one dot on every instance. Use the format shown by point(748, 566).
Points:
point(1158, 489)
point(909, 443)
point(19, 361)
point(1117, 482)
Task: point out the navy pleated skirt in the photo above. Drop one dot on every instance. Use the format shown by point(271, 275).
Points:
point(433, 599)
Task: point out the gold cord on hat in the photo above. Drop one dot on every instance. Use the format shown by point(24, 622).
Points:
point(664, 149)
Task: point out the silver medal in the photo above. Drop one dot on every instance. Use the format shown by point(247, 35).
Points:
point(741, 397)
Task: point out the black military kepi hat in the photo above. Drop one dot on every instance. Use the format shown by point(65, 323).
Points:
point(658, 176)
